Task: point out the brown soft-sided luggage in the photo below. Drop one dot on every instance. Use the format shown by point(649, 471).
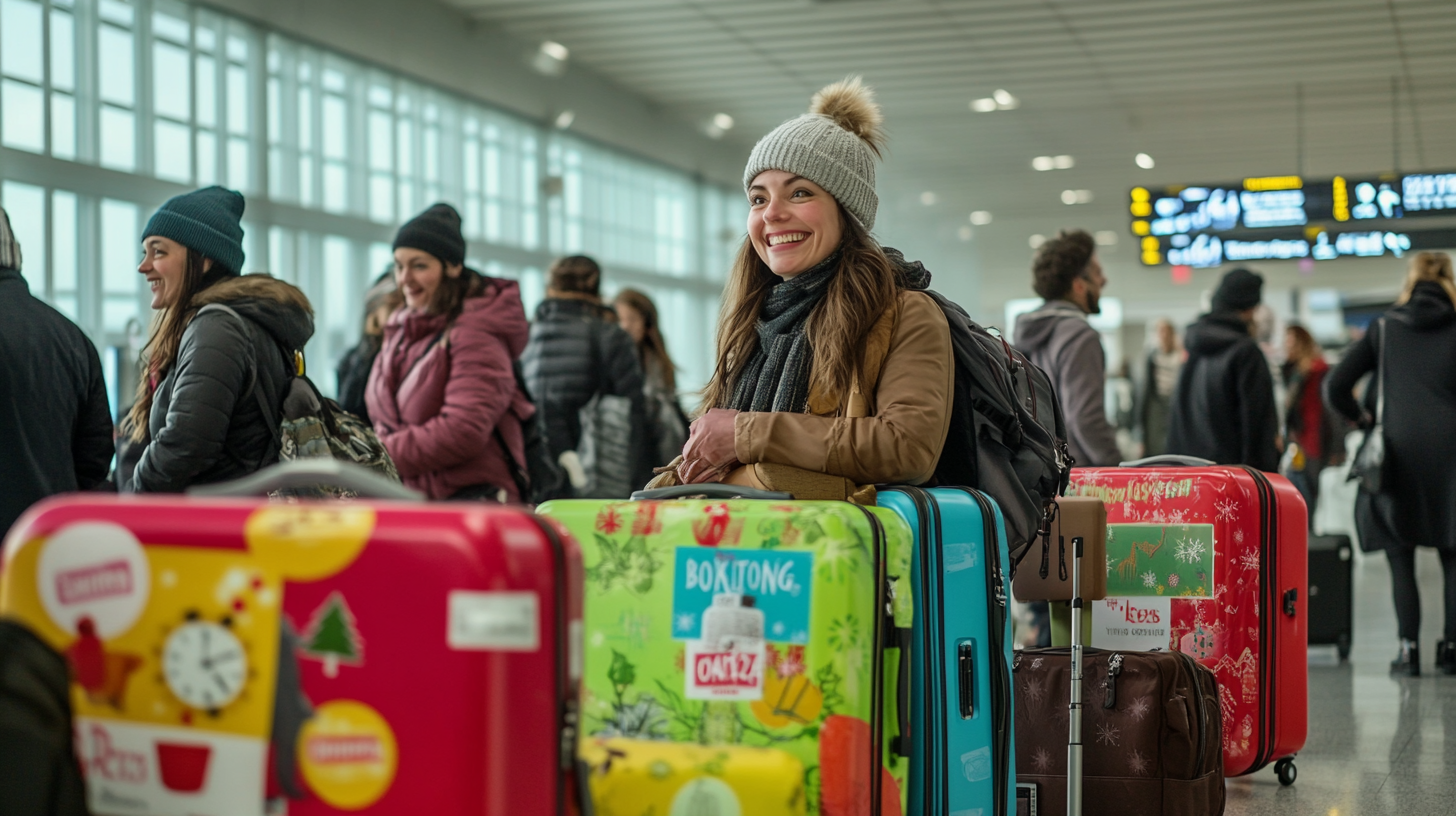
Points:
point(1044, 573)
point(1151, 728)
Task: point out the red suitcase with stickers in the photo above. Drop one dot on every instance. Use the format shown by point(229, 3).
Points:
point(377, 657)
point(1223, 552)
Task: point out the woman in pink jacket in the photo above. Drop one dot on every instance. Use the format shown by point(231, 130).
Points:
point(442, 393)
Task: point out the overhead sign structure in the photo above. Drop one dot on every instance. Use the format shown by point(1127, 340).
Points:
point(1283, 217)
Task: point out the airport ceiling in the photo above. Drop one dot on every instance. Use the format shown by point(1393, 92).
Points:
point(1211, 90)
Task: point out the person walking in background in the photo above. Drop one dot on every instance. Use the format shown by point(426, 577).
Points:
point(379, 302)
point(1057, 338)
point(55, 423)
point(637, 315)
point(443, 394)
point(1160, 380)
point(1412, 354)
point(834, 371)
point(1224, 406)
point(1305, 419)
point(208, 405)
point(578, 353)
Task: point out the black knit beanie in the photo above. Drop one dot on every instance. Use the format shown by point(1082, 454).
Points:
point(1240, 289)
point(436, 231)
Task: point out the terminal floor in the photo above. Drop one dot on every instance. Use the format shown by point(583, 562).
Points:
point(1377, 745)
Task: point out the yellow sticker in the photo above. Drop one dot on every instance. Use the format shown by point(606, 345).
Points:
point(308, 542)
point(348, 754)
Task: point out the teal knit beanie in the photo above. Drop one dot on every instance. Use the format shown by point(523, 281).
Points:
point(206, 221)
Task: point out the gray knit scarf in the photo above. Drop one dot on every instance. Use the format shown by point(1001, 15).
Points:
point(777, 376)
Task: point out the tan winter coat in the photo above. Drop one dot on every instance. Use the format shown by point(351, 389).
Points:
point(890, 432)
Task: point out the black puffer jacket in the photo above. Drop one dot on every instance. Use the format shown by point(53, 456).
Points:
point(1420, 411)
point(1223, 408)
point(354, 376)
point(563, 373)
point(55, 427)
point(206, 424)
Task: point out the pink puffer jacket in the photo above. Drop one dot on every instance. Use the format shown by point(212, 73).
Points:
point(436, 404)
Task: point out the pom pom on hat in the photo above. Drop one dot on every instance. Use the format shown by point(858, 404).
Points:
point(834, 145)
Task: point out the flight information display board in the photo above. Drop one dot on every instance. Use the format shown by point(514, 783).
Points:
point(1211, 249)
point(1249, 211)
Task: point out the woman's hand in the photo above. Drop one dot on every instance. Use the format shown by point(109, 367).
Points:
point(709, 453)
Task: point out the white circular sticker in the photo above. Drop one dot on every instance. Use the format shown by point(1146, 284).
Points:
point(96, 570)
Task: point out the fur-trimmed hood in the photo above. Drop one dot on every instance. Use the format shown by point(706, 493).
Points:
point(278, 306)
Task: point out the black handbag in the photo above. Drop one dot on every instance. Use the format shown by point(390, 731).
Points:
point(1369, 465)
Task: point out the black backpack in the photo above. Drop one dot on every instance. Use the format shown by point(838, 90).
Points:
point(39, 773)
point(540, 479)
point(1007, 436)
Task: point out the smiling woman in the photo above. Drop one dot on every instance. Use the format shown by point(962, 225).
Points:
point(834, 370)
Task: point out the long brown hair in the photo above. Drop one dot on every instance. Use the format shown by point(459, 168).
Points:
point(1429, 266)
point(160, 352)
point(864, 286)
point(1302, 349)
point(652, 346)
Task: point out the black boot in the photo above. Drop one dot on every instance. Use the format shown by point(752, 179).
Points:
point(1446, 656)
point(1408, 662)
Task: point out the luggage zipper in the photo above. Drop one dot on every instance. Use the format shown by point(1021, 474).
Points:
point(564, 693)
point(930, 567)
point(1000, 676)
point(877, 696)
point(1268, 615)
point(1114, 668)
point(1202, 714)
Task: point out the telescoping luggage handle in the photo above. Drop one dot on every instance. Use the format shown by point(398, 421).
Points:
point(1168, 460)
point(711, 490)
point(304, 473)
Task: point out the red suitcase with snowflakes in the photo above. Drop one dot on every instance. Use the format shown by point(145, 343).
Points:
point(378, 657)
point(1212, 561)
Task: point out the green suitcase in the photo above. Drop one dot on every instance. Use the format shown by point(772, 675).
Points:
point(762, 623)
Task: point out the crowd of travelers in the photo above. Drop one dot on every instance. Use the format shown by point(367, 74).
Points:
point(834, 370)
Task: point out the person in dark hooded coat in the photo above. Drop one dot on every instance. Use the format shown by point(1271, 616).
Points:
point(209, 403)
point(1223, 409)
point(1412, 352)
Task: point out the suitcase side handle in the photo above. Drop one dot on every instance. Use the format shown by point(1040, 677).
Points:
point(1167, 460)
point(711, 490)
point(305, 473)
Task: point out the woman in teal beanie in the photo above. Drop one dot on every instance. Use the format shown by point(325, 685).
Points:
point(211, 378)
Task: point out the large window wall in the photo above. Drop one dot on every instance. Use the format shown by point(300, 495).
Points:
point(108, 107)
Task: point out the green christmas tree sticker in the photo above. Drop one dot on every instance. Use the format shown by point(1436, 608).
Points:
point(333, 636)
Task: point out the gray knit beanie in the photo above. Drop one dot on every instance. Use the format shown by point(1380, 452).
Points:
point(834, 145)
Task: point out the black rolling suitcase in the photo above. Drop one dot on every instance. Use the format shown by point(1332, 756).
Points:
point(1331, 593)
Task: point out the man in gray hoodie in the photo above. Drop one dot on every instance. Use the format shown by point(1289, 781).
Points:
point(1057, 338)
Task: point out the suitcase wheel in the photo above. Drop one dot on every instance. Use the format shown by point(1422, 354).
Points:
point(1286, 772)
point(1343, 645)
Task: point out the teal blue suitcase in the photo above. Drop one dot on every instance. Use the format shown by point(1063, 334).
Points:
point(962, 759)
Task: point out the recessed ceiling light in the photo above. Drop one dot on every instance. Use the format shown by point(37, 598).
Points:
point(984, 105)
point(1144, 161)
point(550, 58)
point(1076, 196)
point(981, 217)
point(723, 121)
point(929, 198)
point(564, 119)
point(1004, 100)
point(1063, 162)
point(1043, 163)
point(1106, 237)
point(966, 233)
point(1036, 240)
point(556, 51)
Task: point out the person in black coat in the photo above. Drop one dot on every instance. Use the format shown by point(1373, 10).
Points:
point(576, 351)
point(354, 369)
point(213, 379)
point(55, 422)
point(1412, 352)
point(1223, 409)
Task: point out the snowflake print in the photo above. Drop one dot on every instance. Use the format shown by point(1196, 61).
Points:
point(1129, 510)
point(1178, 517)
point(1150, 579)
point(1250, 561)
point(1239, 536)
point(1036, 664)
point(1227, 509)
point(1172, 579)
point(1138, 709)
point(1137, 763)
point(1035, 694)
point(1041, 760)
point(1189, 550)
point(1108, 734)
